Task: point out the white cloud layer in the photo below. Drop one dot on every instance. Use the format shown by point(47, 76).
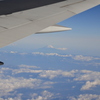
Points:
point(44, 73)
point(10, 84)
point(83, 58)
point(90, 84)
point(50, 54)
point(52, 74)
point(77, 57)
point(14, 52)
point(92, 79)
point(27, 66)
point(45, 95)
point(50, 46)
point(86, 97)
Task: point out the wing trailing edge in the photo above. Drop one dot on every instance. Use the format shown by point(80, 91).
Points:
point(55, 28)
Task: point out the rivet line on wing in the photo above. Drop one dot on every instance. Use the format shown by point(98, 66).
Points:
point(3, 27)
point(71, 12)
point(72, 4)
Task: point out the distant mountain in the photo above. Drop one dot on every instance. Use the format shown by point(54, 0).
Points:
point(51, 49)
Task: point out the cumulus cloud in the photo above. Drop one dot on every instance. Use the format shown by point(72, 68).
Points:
point(43, 73)
point(88, 75)
point(25, 70)
point(27, 66)
point(92, 79)
point(50, 46)
point(52, 74)
point(90, 85)
point(45, 95)
point(86, 97)
point(9, 84)
point(77, 57)
point(14, 52)
point(18, 97)
point(50, 54)
point(82, 58)
point(38, 53)
point(46, 73)
point(23, 53)
point(62, 48)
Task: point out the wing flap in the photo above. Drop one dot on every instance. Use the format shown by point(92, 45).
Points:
point(2, 28)
point(9, 22)
point(54, 28)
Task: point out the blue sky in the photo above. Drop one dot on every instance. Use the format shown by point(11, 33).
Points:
point(84, 38)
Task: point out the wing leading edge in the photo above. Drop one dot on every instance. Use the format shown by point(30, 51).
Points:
point(20, 24)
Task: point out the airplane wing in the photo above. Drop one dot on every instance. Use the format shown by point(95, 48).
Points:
point(39, 16)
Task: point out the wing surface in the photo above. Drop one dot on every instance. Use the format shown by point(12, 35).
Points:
point(21, 24)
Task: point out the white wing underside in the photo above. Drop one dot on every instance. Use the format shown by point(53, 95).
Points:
point(18, 25)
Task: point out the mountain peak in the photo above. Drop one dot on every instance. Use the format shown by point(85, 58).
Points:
point(50, 46)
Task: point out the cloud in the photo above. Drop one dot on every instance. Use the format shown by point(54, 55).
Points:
point(88, 75)
point(46, 73)
point(18, 97)
point(77, 57)
point(14, 52)
point(25, 70)
point(45, 95)
point(82, 58)
point(23, 53)
point(27, 66)
point(10, 84)
point(50, 46)
point(90, 85)
point(86, 97)
point(42, 73)
point(50, 54)
point(62, 48)
point(92, 79)
point(52, 74)
point(38, 53)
